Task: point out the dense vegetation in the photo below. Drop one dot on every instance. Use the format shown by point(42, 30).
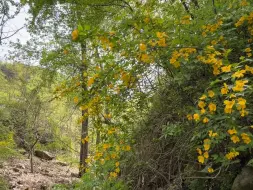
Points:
point(161, 90)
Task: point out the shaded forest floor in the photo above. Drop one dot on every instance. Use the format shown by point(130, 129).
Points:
point(46, 173)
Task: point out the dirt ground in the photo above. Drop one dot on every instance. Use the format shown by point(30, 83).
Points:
point(46, 173)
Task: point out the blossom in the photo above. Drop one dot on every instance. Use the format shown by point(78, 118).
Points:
point(232, 131)
point(206, 144)
point(229, 106)
point(212, 107)
point(189, 117)
point(199, 151)
point(145, 58)
point(210, 170)
point(224, 90)
point(211, 93)
point(76, 100)
point(212, 134)
point(239, 85)
point(241, 103)
point(205, 120)
point(235, 139)
point(203, 97)
point(113, 174)
point(239, 74)
point(206, 155)
point(245, 137)
point(143, 47)
point(196, 117)
point(201, 159)
point(226, 69)
point(201, 104)
point(75, 34)
point(232, 155)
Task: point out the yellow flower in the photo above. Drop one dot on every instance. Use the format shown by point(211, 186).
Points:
point(199, 151)
point(160, 34)
point(239, 85)
point(106, 146)
point(145, 58)
point(186, 20)
point(143, 47)
point(232, 155)
point(203, 97)
point(162, 42)
point(201, 104)
point(76, 100)
point(224, 90)
point(75, 34)
point(189, 117)
point(226, 69)
point(235, 139)
point(210, 170)
point(239, 74)
point(241, 104)
point(245, 137)
point(113, 155)
point(201, 159)
point(232, 131)
point(117, 170)
point(127, 148)
point(86, 139)
point(211, 93)
point(206, 155)
point(206, 144)
point(212, 107)
point(202, 111)
point(196, 117)
point(247, 50)
point(113, 174)
point(212, 134)
point(229, 106)
point(244, 3)
point(117, 164)
point(243, 112)
point(205, 120)
point(90, 81)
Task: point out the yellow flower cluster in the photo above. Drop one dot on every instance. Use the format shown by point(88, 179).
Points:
point(245, 137)
point(239, 85)
point(162, 41)
point(229, 106)
point(232, 155)
point(211, 28)
point(212, 59)
point(182, 53)
point(202, 156)
point(249, 19)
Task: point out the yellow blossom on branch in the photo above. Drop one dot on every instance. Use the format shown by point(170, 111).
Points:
point(235, 139)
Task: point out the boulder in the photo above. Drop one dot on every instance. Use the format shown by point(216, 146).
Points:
point(244, 180)
point(43, 155)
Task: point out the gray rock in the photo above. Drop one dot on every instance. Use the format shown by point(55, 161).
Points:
point(244, 180)
point(43, 155)
point(61, 163)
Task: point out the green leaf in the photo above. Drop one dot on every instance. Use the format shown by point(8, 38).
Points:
point(87, 27)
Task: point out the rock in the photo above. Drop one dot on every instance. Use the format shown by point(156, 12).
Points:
point(244, 180)
point(74, 175)
point(61, 163)
point(21, 166)
point(15, 169)
point(22, 151)
point(43, 155)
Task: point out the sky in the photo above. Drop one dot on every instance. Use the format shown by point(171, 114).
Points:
point(13, 25)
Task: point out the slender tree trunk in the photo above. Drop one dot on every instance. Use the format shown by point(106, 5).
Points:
point(84, 132)
point(31, 160)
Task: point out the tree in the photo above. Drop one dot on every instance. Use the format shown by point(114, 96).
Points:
point(9, 9)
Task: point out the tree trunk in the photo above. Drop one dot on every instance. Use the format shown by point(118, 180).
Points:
point(84, 132)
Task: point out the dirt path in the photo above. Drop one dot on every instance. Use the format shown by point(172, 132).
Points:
point(46, 174)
